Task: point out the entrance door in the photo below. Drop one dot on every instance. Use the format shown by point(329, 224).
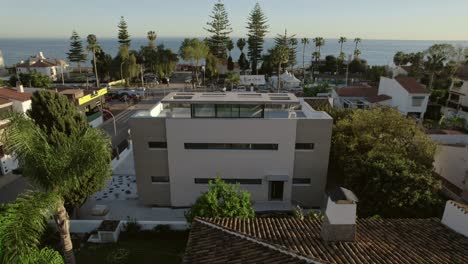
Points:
point(276, 190)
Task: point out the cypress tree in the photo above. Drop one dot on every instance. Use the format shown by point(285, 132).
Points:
point(76, 53)
point(220, 28)
point(124, 37)
point(257, 29)
point(243, 62)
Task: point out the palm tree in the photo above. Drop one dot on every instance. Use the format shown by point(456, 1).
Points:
point(241, 44)
point(229, 46)
point(94, 48)
point(342, 40)
point(356, 51)
point(305, 42)
point(55, 168)
point(22, 224)
point(279, 56)
point(319, 42)
point(151, 38)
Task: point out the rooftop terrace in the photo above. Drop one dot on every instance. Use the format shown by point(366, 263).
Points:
point(233, 105)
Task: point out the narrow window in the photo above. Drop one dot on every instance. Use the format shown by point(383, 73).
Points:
point(301, 181)
point(157, 145)
point(276, 190)
point(159, 179)
point(308, 146)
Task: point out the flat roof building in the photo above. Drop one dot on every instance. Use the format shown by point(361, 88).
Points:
point(274, 145)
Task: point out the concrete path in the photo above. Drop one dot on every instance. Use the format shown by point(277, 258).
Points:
point(10, 191)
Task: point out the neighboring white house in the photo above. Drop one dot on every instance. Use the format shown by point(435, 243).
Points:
point(11, 100)
point(51, 67)
point(402, 92)
point(274, 145)
point(3, 71)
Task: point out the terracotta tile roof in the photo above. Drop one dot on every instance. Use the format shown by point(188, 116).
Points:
point(411, 85)
point(378, 98)
point(377, 241)
point(357, 91)
point(4, 101)
point(11, 94)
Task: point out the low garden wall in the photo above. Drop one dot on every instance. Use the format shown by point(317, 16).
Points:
point(87, 226)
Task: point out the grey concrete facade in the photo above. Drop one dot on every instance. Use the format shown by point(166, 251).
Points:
point(184, 167)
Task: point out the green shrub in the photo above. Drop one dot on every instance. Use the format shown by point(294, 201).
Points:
point(162, 228)
point(132, 226)
point(118, 256)
point(222, 200)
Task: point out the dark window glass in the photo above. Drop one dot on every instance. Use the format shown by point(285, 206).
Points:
point(276, 190)
point(251, 111)
point(204, 110)
point(159, 179)
point(157, 145)
point(301, 181)
point(227, 111)
point(230, 181)
point(305, 145)
point(232, 146)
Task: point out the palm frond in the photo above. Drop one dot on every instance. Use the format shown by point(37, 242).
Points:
point(43, 256)
point(23, 222)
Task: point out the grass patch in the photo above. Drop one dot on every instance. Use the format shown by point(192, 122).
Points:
point(143, 247)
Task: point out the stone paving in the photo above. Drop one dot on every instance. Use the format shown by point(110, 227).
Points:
point(120, 187)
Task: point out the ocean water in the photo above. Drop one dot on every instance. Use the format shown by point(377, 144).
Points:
point(376, 52)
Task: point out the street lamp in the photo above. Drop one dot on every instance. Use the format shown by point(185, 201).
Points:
point(113, 118)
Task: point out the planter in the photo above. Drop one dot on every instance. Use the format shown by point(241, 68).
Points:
point(109, 231)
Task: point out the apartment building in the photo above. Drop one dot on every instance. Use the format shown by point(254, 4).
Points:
point(274, 145)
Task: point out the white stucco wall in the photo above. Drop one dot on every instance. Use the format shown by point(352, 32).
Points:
point(341, 214)
point(401, 99)
point(455, 218)
point(21, 107)
point(186, 165)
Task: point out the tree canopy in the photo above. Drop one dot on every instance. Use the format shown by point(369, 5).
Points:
point(222, 200)
point(257, 28)
point(219, 28)
point(76, 53)
point(124, 37)
point(387, 160)
point(32, 79)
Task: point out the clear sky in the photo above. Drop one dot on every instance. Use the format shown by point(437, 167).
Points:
point(368, 19)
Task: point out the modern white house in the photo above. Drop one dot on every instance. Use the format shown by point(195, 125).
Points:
point(274, 145)
point(402, 92)
point(51, 67)
point(287, 81)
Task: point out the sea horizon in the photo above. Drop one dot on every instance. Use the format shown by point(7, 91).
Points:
point(375, 51)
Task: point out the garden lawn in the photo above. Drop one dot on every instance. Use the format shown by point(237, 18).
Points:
point(143, 247)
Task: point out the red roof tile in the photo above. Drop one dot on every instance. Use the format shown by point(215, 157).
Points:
point(4, 101)
point(411, 85)
point(378, 98)
point(286, 240)
point(11, 94)
point(357, 91)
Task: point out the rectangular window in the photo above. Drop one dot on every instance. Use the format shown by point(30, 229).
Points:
point(159, 179)
point(225, 111)
point(157, 145)
point(417, 100)
point(204, 110)
point(230, 181)
point(276, 190)
point(251, 111)
point(305, 145)
point(301, 181)
point(231, 146)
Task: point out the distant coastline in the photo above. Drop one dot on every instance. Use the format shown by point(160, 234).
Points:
point(376, 52)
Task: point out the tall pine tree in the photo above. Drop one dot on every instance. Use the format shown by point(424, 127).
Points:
point(257, 29)
point(76, 53)
point(220, 28)
point(124, 37)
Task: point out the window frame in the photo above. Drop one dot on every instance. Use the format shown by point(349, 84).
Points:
point(164, 181)
point(163, 143)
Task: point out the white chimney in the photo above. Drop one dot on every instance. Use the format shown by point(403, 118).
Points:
point(19, 87)
point(339, 223)
point(41, 55)
point(456, 217)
